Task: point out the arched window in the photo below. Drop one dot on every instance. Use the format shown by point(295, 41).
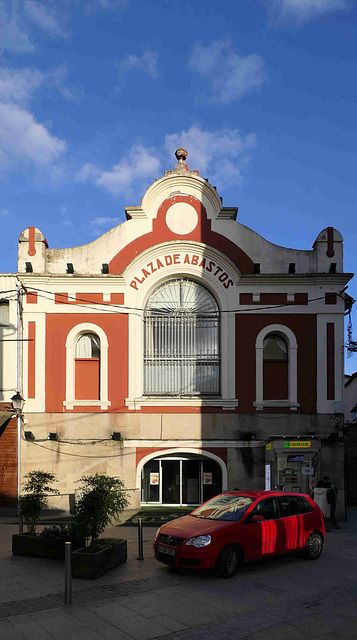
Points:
point(275, 368)
point(87, 367)
point(88, 346)
point(181, 340)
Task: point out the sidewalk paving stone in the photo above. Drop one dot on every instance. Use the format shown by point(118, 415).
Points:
point(286, 598)
point(105, 629)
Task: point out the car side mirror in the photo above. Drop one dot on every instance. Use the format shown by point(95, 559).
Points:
point(258, 519)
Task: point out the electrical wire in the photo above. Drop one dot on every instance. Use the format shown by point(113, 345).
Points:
point(120, 309)
point(76, 455)
point(125, 309)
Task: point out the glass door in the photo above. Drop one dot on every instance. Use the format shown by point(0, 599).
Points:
point(211, 479)
point(150, 482)
point(171, 481)
point(178, 481)
point(191, 481)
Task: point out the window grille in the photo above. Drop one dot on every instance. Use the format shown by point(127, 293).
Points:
point(181, 341)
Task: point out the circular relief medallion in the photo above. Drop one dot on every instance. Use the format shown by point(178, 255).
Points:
point(181, 218)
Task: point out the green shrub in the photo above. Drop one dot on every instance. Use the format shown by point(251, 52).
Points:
point(36, 488)
point(55, 535)
point(102, 499)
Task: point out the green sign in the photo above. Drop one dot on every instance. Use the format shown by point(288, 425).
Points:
point(297, 444)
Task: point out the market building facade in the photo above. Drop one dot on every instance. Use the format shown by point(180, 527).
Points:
point(181, 351)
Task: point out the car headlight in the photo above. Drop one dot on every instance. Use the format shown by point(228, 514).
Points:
point(199, 541)
point(157, 534)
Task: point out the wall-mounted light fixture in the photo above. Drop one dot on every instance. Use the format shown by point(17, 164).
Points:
point(17, 402)
point(116, 435)
point(70, 268)
point(105, 267)
point(29, 436)
point(28, 267)
point(53, 436)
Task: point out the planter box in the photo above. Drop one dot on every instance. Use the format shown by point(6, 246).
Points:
point(28, 544)
point(91, 565)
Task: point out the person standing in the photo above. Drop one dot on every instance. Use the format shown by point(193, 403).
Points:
point(320, 497)
point(332, 500)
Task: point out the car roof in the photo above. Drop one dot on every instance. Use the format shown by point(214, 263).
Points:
point(255, 494)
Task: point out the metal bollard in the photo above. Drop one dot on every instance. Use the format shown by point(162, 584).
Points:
point(21, 523)
point(140, 539)
point(68, 573)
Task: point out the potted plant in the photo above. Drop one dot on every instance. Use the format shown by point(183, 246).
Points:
point(102, 498)
point(37, 489)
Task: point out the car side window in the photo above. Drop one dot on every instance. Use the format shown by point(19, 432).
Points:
point(305, 505)
point(293, 505)
point(265, 508)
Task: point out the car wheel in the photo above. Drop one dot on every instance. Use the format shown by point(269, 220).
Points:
point(228, 562)
point(314, 546)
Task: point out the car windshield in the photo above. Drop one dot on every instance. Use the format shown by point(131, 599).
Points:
point(224, 507)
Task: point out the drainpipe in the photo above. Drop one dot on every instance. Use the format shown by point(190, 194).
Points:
point(18, 409)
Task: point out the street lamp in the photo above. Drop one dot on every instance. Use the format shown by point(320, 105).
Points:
point(18, 405)
point(17, 402)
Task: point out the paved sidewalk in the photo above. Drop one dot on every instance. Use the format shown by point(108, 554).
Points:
point(286, 597)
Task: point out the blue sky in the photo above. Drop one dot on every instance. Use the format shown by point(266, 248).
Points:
point(96, 95)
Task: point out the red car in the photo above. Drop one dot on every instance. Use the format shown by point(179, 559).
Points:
point(238, 526)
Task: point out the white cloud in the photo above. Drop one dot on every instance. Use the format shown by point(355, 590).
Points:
point(101, 224)
point(13, 35)
point(3, 213)
point(221, 154)
point(147, 62)
point(58, 78)
point(137, 165)
point(64, 216)
point(302, 11)
point(105, 5)
point(22, 137)
point(18, 20)
point(88, 172)
point(46, 16)
point(17, 85)
point(230, 76)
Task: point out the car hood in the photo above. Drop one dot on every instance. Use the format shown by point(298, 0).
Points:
point(189, 526)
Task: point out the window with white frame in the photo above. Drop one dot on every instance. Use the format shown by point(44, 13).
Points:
point(276, 368)
point(181, 340)
point(4, 313)
point(86, 367)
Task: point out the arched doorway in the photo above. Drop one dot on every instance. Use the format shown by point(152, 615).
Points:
point(180, 479)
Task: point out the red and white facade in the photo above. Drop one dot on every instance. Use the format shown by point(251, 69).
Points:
point(196, 339)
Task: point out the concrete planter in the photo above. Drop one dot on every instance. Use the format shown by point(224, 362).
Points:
point(29, 544)
point(89, 566)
